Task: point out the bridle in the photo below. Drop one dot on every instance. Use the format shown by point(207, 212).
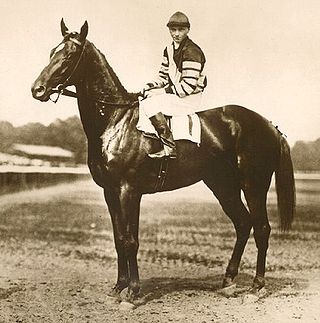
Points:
point(61, 89)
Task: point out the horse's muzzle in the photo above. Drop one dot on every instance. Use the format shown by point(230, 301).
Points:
point(39, 92)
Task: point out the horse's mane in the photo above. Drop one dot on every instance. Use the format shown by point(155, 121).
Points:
point(129, 95)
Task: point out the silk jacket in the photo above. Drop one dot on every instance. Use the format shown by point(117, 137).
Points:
point(182, 70)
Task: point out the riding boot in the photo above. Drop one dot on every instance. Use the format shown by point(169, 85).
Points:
point(169, 147)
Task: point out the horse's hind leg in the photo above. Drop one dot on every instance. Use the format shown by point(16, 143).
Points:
point(242, 223)
point(224, 183)
point(256, 198)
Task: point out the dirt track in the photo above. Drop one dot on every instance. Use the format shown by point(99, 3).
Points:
point(58, 260)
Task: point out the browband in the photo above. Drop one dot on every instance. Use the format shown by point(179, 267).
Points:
point(75, 41)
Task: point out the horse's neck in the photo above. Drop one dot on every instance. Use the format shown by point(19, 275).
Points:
point(99, 84)
point(102, 82)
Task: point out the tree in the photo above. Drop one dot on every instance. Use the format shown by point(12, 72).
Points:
point(6, 135)
point(306, 155)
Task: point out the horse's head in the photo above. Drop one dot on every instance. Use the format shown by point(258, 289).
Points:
point(64, 61)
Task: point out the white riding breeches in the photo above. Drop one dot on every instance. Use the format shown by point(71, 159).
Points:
point(171, 104)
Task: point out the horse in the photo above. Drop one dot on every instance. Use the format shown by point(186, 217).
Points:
point(239, 152)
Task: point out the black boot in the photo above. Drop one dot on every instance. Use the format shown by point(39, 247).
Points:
point(169, 147)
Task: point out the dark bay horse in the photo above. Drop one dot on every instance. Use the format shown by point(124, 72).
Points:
point(239, 151)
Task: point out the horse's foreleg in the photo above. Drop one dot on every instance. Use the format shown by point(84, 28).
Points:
point(130, 208)
point(119, 226)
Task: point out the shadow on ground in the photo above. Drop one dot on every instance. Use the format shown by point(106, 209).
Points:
point(157, 287)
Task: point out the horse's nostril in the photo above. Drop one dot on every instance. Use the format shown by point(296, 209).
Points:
point(38, 91)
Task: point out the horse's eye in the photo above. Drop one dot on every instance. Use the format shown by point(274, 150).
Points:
point(57, 49)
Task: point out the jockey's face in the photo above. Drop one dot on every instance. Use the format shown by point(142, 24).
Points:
point(178, 34)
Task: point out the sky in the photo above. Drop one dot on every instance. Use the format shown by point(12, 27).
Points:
point(261, 54)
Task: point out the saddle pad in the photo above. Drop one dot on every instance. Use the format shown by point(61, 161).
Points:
point(183, 127)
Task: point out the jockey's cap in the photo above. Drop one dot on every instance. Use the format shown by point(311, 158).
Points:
point(178, 19)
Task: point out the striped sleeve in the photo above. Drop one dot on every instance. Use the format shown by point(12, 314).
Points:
point(189, 78)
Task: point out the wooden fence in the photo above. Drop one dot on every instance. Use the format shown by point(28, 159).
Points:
point(15, 178)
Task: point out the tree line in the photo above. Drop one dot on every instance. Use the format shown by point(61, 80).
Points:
point(306, 155)
point(68, 134)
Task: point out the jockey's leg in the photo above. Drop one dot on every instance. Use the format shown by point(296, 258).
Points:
point(157, 106)
point(169, 147)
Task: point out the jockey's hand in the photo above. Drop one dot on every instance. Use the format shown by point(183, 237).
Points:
point(146, 88)
point(153, 92)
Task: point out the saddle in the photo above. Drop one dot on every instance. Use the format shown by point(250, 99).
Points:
point(183, 127)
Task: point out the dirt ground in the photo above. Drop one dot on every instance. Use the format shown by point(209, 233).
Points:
point(58, 260)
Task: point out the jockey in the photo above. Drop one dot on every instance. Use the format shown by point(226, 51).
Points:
point(179, 86)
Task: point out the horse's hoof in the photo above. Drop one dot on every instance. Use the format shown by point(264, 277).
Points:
point(113, 295)
point(126, 306)
point(227, 281)
point(228, 291)
point(130, 296)
point(258, 284)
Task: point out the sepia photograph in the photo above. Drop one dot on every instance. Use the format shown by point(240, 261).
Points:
point(160, 161)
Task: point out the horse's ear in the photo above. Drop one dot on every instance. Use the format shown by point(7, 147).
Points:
point(84, 31)
point(64, 29)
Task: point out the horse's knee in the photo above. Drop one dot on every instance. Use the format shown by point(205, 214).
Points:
point(132, 246)
point(128, 246)
point(120, 244)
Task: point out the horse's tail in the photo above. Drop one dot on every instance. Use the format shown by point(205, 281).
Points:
point(285, 186)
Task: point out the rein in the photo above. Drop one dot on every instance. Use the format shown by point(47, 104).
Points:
point(102, 104)
point(62, 90)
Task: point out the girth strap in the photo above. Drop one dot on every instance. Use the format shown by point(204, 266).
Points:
point(162, 175)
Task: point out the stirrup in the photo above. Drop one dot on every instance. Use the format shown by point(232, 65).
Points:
point(164, 153)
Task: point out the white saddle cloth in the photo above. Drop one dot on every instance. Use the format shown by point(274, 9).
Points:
point(183, 127)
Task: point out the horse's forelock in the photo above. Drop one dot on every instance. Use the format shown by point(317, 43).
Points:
point(71, 35)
